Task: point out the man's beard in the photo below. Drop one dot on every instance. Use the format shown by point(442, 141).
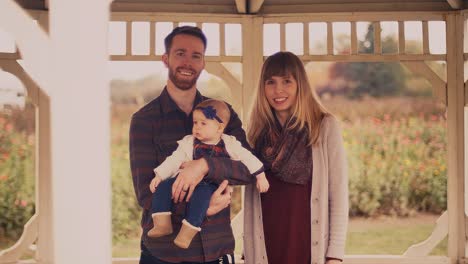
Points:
point(183, 84)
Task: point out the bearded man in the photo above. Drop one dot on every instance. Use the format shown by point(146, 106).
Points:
point(154, 132)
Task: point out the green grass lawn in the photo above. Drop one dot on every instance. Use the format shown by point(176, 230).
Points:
point(390, 235)
point(126, 249)
point(384, 235)
point(365, 236)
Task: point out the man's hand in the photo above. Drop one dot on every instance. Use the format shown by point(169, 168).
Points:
point(220, 199)
point(191, 174)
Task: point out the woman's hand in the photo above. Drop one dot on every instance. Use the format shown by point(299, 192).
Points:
point(190, 175)
point(262, 183)
point(333, 261)
point(220, 199)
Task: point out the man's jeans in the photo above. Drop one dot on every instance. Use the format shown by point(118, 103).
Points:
point(147, 258)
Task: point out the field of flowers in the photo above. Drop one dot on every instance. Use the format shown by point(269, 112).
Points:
point(16, 181)
point(396, 152)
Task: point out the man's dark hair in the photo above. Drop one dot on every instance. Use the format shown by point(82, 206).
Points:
point(186, 30)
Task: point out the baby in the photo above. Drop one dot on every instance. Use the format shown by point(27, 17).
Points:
point(210, 118)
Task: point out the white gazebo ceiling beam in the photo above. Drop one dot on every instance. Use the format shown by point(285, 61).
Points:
point(254, 6)
point(456, 4)
point(157, 6)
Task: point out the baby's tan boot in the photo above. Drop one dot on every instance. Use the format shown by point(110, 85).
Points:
point(186, 234)
point(162, 225)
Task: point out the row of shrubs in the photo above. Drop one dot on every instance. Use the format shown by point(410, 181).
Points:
point(397, 166)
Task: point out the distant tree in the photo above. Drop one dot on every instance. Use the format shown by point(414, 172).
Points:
point(372, 78)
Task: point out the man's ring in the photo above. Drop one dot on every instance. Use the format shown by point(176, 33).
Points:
point(184, 190)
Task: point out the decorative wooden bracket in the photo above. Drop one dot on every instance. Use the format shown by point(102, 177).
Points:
point(218, 69)
point(30, 233)
point(439, 86)
point(17, 70)
point(438, 234)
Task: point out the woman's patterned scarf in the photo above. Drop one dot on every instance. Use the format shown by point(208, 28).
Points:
point(286, 153)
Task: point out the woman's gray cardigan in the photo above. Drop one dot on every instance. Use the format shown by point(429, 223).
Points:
point(328, 202)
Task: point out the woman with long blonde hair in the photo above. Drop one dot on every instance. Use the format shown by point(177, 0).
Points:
point(303, 217)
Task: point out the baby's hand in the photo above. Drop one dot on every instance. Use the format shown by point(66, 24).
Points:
point(262, 183)
point(154, 183)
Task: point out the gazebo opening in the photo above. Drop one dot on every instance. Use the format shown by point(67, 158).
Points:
point(392, 72)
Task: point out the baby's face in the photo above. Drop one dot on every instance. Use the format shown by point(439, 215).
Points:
point(206, 130)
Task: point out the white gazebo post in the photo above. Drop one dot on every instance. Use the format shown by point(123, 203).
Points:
point(80, 123)
point(69, 65)
point(44, 249)
point(456, 138)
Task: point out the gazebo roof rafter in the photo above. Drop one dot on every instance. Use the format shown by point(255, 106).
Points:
point(456, 4)
point(269, 6)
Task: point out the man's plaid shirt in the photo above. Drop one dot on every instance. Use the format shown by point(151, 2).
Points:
point(154, 132)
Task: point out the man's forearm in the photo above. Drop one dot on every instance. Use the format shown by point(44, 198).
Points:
point(227, 169)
